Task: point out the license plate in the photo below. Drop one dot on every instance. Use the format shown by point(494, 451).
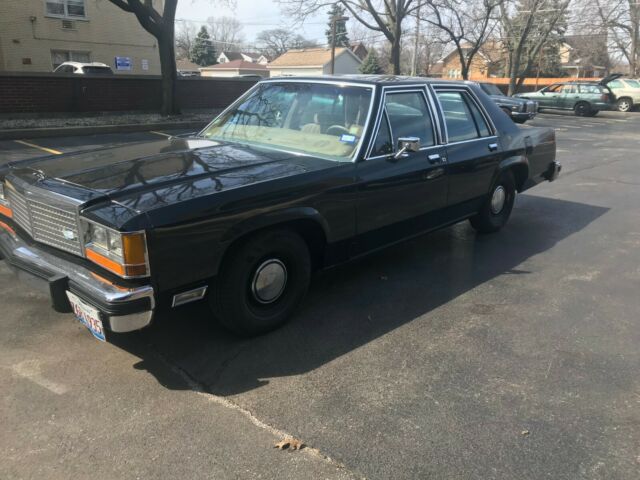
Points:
point(88, 316)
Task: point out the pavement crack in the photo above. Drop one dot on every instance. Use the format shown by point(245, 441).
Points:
point(201, 389)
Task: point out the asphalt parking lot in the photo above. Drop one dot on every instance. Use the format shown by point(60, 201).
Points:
point(451, 356)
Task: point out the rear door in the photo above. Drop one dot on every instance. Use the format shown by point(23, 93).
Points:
point(473, 148)
point(399, 197)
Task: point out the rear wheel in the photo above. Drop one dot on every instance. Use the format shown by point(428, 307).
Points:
point(262, 282)
point(497, 207)
point(624, 104)
point(582, 109)
point(593, 113)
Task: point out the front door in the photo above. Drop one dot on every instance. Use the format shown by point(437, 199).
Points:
point(399, 196)
point(550, 97)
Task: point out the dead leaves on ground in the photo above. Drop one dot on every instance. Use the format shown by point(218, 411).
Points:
point(289, 444)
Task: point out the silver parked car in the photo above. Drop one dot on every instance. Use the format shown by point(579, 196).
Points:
point(627, 92)
point(78, 68)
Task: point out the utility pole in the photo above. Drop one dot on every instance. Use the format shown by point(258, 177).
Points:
point(335, 20)
point(416, 46)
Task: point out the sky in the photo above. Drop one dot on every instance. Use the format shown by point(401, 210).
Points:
point(255, 15)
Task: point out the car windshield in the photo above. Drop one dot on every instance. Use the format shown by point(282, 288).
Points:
point(324, 120)
point(491, 89)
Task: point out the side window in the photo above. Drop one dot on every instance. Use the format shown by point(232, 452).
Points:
point(615, 84)
point(554, 89)
point(463, 118)
point(409, 117)
point(569, 89)
point(383, 144)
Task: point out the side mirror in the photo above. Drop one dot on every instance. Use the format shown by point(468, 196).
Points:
point(407, 144)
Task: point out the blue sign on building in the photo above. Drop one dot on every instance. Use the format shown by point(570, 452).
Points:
point(123, 63)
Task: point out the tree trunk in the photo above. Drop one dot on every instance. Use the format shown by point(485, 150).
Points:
point(395, 56)
point(169, 74)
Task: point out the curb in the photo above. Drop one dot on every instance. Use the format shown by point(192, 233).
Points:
point(28, 133)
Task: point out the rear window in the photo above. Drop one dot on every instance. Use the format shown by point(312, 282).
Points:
point(592, 89)
point(462, 116)
point(633, 83)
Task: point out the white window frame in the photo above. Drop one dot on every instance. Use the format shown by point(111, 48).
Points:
point(66, 15)
point(70, 54)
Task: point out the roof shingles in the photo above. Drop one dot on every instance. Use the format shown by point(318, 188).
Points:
point(305, 57)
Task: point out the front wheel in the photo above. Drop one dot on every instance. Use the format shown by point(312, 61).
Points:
point(262, 282)
point(496, 209)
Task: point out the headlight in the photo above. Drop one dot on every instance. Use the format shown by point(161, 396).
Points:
point(515, 108)
point(124, 254)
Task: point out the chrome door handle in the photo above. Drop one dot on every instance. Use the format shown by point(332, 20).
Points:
point(435, 158)
point(493, 147)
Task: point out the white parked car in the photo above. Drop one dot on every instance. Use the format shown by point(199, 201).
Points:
point(93, 68)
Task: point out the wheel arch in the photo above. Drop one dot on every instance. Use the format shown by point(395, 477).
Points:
point(519, 166)
point(306, 222)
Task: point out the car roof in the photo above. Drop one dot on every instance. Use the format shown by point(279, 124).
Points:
point(384, 80)
point(80, 64)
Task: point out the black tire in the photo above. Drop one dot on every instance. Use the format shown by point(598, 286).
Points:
point(582, 109)
point(235, 301)
point(519, 120)
point(624, 104)
point(593, 113)
point(488, 220)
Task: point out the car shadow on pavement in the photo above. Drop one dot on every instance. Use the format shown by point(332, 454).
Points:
point(351, 305)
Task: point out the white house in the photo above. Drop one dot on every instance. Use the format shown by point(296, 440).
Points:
point(314, 61)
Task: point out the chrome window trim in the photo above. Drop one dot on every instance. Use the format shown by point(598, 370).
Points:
point(354, 156)
point(435, 123)
point(463, 88)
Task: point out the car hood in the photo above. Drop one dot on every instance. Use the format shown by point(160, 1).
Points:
point(502, 99)
point(125, 174)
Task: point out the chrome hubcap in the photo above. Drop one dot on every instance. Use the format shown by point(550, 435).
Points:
point(269, 281)
point(498, 199)
point(624, 106)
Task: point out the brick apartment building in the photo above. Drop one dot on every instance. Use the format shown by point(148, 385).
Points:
point(38, 35)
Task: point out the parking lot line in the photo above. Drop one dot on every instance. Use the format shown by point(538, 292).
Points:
point(44, 149)
point(160, 133)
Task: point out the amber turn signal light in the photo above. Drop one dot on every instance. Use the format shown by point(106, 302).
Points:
point(6, 211)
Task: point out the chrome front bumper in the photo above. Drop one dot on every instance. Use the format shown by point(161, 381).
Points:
point(123, 309)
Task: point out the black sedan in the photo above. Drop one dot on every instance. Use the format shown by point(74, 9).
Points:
point(520, 110)
point(297, 175)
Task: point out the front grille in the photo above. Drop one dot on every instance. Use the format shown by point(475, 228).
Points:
point(45, 223)
point(20, 209)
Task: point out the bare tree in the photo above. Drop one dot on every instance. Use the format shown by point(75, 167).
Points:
point(275, 42)
point(226, 33)
point(384, 16)
point(466, 24)
point(161, 26)
point(527, 26)
point(185, 34)
point(622, 20)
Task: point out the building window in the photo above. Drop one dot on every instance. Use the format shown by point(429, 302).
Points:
point(60, 56)
point(66, 8)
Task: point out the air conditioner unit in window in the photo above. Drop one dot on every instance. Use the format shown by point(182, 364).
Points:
point(68, 25)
